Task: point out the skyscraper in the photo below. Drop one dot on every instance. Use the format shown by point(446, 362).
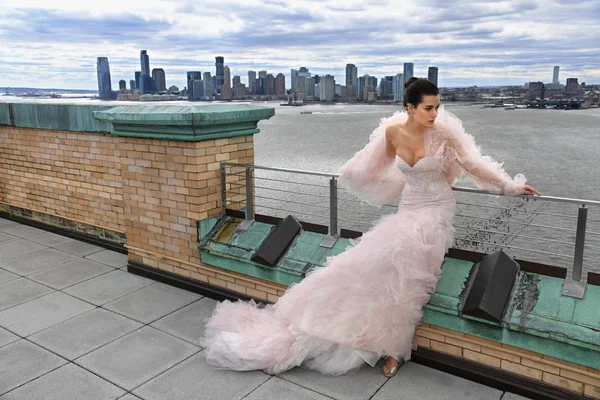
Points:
point(198, 90)
point(363, 83)
point(269, 84)
point(191, 77)
point(220, 75)
point(227, 76)
point(398, 87)
point(309, 86)
point(132, 84)
point(327, 88)
point(262, 74)
point(208, 87)
point(259, 86)
point(138, 79)
point(294, 78)
point(555, 75)
point(252, 81)
point(280, 85)
point(226, 92)
point(145, 62)
point(536, 90)
point(237, 79)
point(147, 85)
point(158, 74)
point(298, 85)
point(352, 77)
point(239, 90)
point(103, 71)
point(572, 88)
point(145, 80)
point(386, 87)
point(373, 83)
point(432, 75)
point(122, 84)
point(408, 71)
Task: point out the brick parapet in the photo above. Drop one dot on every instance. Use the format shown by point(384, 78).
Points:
point(574, 377)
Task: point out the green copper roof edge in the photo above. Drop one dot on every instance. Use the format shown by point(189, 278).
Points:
point(568, 349)
point(185, 123)
point(149, 127)
point(99, 117)
point(54, 116)
point(240, 266)
point(443, 308)
point(554, 336)
point(205, 226)
point(215, 248)
point(524, 340)
point(184, 115)
point(186, 137)
point(283, 276)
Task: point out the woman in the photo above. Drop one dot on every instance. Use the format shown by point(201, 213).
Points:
point(367, 302)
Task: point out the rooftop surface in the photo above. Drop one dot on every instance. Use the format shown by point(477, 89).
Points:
point(75, 325)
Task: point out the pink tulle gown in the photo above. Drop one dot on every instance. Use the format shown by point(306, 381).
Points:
point(366, 302)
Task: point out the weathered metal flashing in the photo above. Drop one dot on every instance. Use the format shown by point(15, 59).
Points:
point(182, 122)
point(54, 116)
point(563, 328)
point(185, 122)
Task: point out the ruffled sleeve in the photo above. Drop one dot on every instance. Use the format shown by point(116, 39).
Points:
point(487, 174)
point(370, 175)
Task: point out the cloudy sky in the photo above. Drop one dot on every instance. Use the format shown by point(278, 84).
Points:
point(54, 43)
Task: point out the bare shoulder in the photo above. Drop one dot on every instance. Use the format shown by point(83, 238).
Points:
point(392, 131)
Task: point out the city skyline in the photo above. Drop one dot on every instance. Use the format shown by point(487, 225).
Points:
point(390, 86)
point(57, 45)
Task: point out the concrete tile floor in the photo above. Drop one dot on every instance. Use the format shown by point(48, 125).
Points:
point(95, 333)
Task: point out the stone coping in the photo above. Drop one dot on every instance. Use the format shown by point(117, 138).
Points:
point(54, 116)
point(538, 318)
point(184, 114)
point(158, 121)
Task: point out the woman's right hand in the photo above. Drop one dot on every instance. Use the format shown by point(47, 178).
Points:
point(528, 190)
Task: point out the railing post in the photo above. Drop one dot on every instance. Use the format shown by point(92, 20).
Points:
point(245, 224)
point(331, 238)
point(333, 208)
point(575, 287)
point(249, 195)
point(223, 187)
point(579, 243)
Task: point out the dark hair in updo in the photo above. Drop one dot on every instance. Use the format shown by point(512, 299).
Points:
point(415, 88)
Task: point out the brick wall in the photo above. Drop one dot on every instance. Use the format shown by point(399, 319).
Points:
point(168, 186)
point(152, 191)
point(73, 175)
point(570, 376)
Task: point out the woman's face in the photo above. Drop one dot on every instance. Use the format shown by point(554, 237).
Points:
point(426, 111)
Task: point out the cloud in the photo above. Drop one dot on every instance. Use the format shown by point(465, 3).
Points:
point(472, 42)
point(54, 26)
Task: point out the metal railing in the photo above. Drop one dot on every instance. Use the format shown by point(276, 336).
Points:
point(547, 230)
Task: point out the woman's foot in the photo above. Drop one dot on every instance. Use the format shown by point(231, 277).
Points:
point(391, 367)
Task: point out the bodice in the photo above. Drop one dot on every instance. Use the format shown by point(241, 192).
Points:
point(427, 177)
